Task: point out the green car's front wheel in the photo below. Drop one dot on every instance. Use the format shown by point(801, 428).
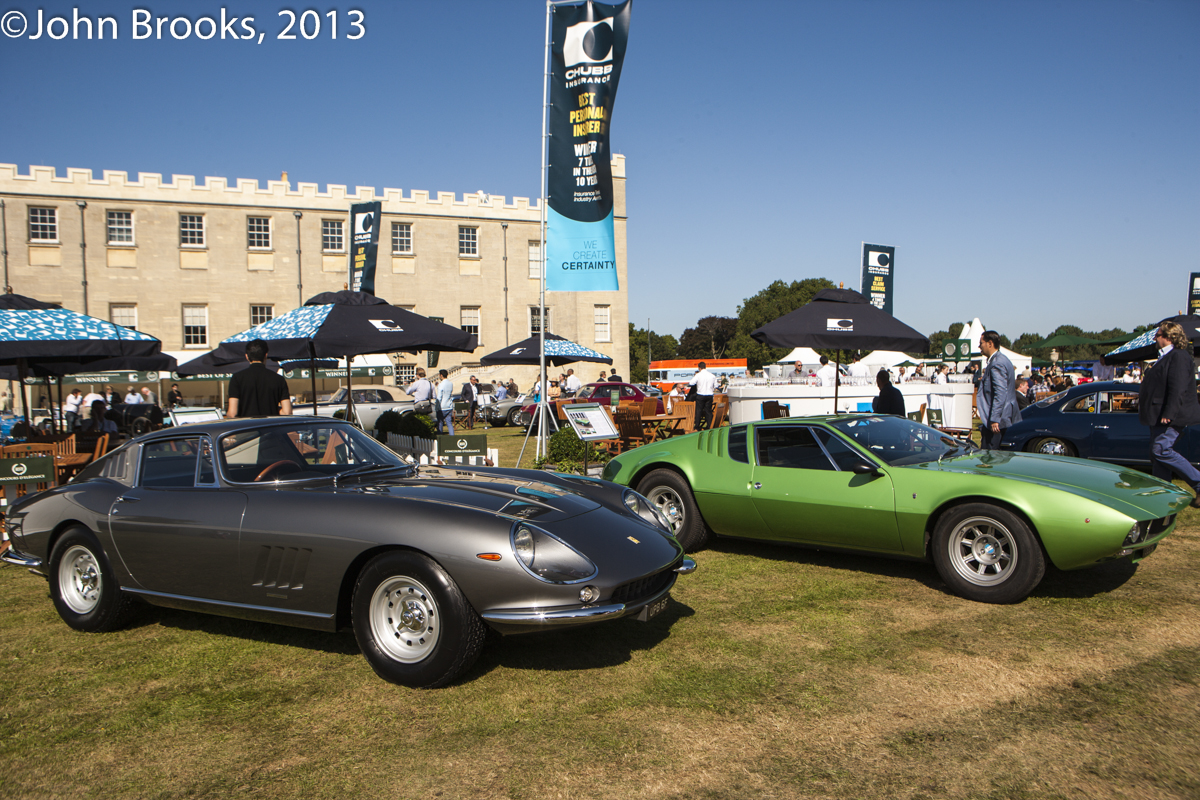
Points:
point(671, 494)
point(987, 553)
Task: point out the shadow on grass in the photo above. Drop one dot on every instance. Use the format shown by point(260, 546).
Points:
point(1083, 583)
point(341, 643)
point(605, 644)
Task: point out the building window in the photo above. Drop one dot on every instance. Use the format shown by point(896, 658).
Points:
point(191, 230)
point(535, 320)
point(261, 314)
point(468, 241)
point(535, 259)
point(469, 316)
point(603, 317)
point(43, 224)
point(331, 236)
point(258, 233)
point(195, 326)
point(402, 238)
point(405, 374)
point(123, 314)
point(120, 227)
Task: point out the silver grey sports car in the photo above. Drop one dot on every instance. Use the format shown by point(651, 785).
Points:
point(312, 523)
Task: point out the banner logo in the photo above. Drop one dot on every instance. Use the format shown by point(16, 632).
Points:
point(19, 469)
point(878, 265)
point(386, 325)
point(364, 245)
point(845, 325)
point(589, 43)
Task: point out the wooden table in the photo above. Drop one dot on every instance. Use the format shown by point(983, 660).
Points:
point(67, 465)
point(662, 426)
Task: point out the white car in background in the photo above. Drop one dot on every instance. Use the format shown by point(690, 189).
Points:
point(370, 400)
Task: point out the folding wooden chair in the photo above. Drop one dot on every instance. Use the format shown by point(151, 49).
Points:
point(628, 420)
point(686, 409)
point(773, 409)
point(650, 407)
point(11, 490)
point(720, 410)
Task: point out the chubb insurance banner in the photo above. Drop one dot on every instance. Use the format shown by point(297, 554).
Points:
point(588, 46)
point(364, 245)
point(878, 264)
point(1193, 306)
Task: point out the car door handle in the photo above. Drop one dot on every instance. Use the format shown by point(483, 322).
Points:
point(1100, 427)
point(128, 499)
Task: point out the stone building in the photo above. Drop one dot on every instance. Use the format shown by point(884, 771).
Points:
point(194, 263)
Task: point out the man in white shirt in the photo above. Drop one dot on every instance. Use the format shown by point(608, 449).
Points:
point(705, 383)
point(827, 374)
point(445, 404)
point(422, 392)
point(859, 369)
point(132, 396)
point(573, 384)
point(71, 409)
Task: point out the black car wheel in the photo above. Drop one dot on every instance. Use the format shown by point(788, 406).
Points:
point(140, 426)
point(514, 416)
point(85, 593)
point(412, 623)
point(672, 496)
point(988, 554)
point(1052, 446)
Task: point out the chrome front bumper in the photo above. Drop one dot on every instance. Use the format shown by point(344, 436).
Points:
point(19, 559)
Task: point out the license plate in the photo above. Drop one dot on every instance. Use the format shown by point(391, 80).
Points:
point(654, 609)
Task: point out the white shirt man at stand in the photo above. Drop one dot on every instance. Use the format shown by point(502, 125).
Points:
point(705, 383)
point(827, 374)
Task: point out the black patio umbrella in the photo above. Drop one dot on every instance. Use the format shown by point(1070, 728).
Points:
point(559, 351)
point(841, 319)
point(206, 365)
point(1143, 347)
point(343, 325)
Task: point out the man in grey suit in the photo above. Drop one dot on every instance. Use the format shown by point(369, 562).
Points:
point(996, 399)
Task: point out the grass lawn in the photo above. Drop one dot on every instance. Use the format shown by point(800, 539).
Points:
point(775, 673)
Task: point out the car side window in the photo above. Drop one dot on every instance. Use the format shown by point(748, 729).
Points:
point(842, 454)
point(1119, 403)
point(584, 393)
point(738, 451)
point(789, 446)
point(1081, 405)
point(170, 464)
point(627, 391)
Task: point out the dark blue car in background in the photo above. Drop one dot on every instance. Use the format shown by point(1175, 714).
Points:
point(1096, 420)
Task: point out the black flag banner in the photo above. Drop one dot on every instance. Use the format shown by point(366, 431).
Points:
point(585, 65)
point(878, 271)
point(364, 245)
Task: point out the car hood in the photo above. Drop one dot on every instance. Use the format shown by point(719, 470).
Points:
point(519, 497)
point(1126, 490)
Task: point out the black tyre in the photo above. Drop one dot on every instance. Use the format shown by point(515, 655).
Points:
point(85, 593)
point(140, 426)
point(412, 623)
point(673, 497)
point(1053, 446)
point(514, 416)
point(988, 554)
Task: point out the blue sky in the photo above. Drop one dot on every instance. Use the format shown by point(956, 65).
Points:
point(1034, 163)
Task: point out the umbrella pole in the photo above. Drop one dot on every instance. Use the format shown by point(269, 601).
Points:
point(837, 379)
point(53, 424)
point(312, 373)
point(349, 394)
point(22, 371)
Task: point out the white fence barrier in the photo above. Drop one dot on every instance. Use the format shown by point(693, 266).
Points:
point(425, 451)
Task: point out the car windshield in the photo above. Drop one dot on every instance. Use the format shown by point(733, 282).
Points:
point(899, 441)
point(300, 452)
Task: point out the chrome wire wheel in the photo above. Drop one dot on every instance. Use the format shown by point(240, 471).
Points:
point(670, 504)
point(405, 620)
point(80, 582)
point(983, 551)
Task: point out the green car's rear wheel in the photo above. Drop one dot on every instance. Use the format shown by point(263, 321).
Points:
point(987, 553)
point(673, 497)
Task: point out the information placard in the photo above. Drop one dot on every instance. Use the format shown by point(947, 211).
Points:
point(590, 421)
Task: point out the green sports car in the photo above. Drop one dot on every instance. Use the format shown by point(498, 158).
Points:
point(990, 520)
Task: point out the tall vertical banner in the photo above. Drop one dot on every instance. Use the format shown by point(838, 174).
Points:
point(1193, 306)
point(364, 245)
point(878, 263)
point(588, 47)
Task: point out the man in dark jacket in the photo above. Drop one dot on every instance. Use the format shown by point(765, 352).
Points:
point(889, 400)
point(1167, 404)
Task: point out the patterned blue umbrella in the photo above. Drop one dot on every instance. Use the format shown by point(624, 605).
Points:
point(40, 333)
point(1143, 348)
point(559, 351)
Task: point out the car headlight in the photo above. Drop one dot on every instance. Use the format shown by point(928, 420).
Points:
point(549, 558)
point(646, 510)
point(1135, 535)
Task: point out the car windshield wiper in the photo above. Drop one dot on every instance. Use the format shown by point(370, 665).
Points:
point(364, 469)
point(948, 452)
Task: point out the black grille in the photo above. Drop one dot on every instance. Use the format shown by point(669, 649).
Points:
point(1157, 526)
point(645, 587)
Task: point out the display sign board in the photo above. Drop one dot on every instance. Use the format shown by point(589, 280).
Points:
point(472, 444)
point(1193, 305)
point(192, 415)
point(956, 349)
point(37, 469)
point(590, 421)
point(364, 245)
point(878, 267)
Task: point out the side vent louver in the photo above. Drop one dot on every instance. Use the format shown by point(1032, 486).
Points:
point(281, 567)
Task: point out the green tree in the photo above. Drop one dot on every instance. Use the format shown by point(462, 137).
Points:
point(644, 345)
point(768, 305)
point(709, 339)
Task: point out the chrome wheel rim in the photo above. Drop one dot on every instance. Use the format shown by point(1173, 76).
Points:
point(982, 551)
point(1052, 447)
point(79, 580)
point(404, 619)
point(670, 504)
